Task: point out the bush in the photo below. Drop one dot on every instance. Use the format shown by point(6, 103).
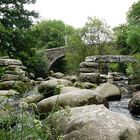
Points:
point(130, 69)
point(28, 126)
point(77, 55)
point(136, 70)
point(36, 62)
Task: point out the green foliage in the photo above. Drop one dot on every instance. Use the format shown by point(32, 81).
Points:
point(114, 67)
point(22, 87)
point(133, 38)
point(15, 20)
point(17, 39)
point(130, 69)
point(127, 35)
point(96, 33)
point(75, 56)
point(2, 71)
point(38, 64)
point(73, 36)
point(120, 37)
point(50, 34)
point(27, 125)
point(121, 67)
point(136, 70)
point(133, 16)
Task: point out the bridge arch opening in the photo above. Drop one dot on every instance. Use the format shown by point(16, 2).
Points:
point(59, 65)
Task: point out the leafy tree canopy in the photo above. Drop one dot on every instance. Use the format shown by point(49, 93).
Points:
point(127, 35)
point(50, 33)
point(15, 22)
point(133, 16)
point(120, 37)
point(96, 33)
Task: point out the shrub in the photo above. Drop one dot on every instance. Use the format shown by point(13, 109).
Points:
point(136, 70)
point(75, 56)
point(36, 62)
point(2, 71)
point(27, 125)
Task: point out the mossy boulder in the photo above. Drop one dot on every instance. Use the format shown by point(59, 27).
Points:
point(53, 86)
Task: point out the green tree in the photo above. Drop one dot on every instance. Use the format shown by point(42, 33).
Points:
point(73, 36)
point(133, 38)
point(120, 37)
point(17, 39)
point(133, 19)
point(15, 21)
point(133, 16)
point(96, 33)
point(50, 34)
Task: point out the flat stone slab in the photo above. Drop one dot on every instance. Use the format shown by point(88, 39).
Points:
point(110, 58)
point(7, 62)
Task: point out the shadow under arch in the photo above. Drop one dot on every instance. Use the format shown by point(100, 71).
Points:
point(59, 65)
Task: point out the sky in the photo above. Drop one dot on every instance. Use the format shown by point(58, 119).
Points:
point(75, 12)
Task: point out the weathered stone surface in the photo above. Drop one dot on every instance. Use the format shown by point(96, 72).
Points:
point(88, 85)
point(109, 91)
point(58, 75)
point(89, 65)
point(31, 75)
point(71, 78)
point(134, 88)
point(55, 53)
point(88, 70)
point(10, 77)
point(7, 85)
point(68, 89)
point(8, 92)
point(95, 122)
point(48, 87)
point(110, 58)
point(90, 77)
point(13, 67)
point(104, 76)
point(33, 98)
point(74, 98)
point(134, 104)
point(6, 62)
point(85, 85)
point(10, 72)
point(39, 79)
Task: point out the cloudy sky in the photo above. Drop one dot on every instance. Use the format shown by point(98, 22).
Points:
point(75, 12)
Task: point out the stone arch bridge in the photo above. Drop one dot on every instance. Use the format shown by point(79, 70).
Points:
point(55, 54)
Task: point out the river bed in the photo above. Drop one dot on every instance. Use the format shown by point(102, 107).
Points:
point(122, 107)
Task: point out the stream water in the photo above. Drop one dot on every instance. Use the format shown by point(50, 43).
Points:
point(122, 107)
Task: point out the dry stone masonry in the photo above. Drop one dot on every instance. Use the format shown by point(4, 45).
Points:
point(13, 74)
point(89, 69)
